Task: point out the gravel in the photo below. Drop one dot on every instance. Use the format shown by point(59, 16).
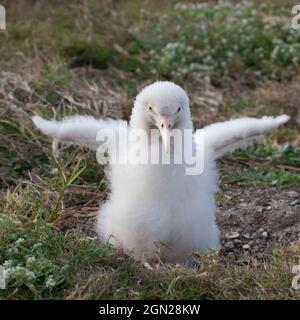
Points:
point(247, 230)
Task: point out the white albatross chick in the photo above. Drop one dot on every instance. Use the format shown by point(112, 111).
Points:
point(158, 209)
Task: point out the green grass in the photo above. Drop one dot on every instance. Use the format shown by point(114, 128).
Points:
point(43, 263)
point(281, 154)
point(256, 177)
point(268, 165)
point(88, 54)
point(99, 56)
point(237, 105)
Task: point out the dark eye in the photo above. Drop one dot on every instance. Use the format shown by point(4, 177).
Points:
point(179, 109)
point(150, 108)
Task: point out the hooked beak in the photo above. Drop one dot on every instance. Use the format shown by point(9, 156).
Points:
point(165, 127)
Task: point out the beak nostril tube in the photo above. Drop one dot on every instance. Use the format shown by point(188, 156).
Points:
point(163, 126)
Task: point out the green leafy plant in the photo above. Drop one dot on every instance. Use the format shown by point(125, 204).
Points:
point(66, 182)
point(221, 40)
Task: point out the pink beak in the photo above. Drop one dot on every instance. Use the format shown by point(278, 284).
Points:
point(165, 127)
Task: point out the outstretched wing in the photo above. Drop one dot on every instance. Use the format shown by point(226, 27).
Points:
point(227, 136)
point(78, 130)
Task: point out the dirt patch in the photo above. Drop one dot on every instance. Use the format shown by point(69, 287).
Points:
point(254, 221)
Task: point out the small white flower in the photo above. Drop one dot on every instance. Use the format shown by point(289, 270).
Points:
point(13, 250)
point(30, 260)
point(21, 271)
point(7, 264)
point(50, 282)
point(37, 245)
point(19, 241)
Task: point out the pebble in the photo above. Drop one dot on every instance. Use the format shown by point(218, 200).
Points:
point(229, 246)
point(265, 234)
point(295, 202)
point(293, 194)
point(246, 247)
point(247, 236)
point(268, 208)
point(232, 235)
point(254, 235)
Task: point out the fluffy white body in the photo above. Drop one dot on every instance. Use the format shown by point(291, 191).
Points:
point(157, 209)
